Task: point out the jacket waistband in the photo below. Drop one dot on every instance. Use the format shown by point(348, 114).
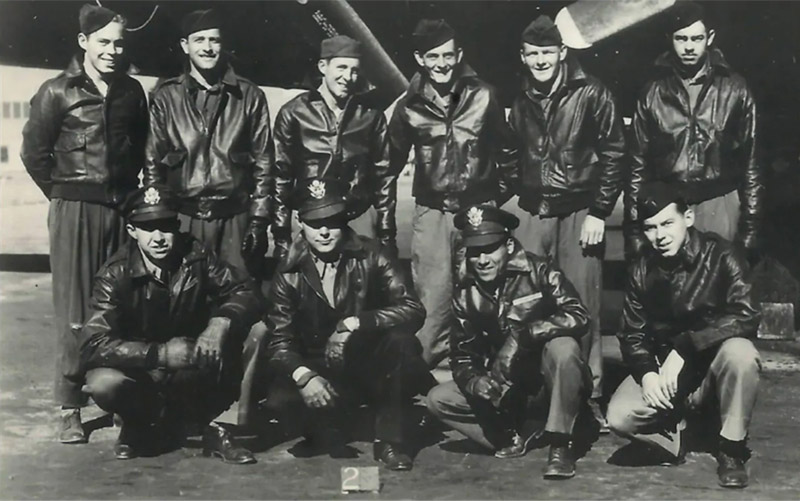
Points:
point(453, 202)
point(97, 193)
point(212, 208)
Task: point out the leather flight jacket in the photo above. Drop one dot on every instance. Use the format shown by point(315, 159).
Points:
point(131, 313)
point(535, 300)
point(309, 143)
point(369, 285)
point(571, 155)
point(456, 150)
point(217, 168)
point(690, 303)
point(709, 151)
point(79, 145)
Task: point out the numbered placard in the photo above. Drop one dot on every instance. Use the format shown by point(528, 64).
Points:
point(360, 479)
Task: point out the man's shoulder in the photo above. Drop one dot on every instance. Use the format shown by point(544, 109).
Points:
point(299, 101)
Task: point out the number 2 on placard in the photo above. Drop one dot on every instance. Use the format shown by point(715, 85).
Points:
point(350, 482)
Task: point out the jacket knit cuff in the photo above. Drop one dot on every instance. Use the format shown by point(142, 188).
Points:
point(598, 212)
point(683, 344)
point(368, 320)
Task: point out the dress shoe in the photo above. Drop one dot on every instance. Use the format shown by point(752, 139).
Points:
point(392, 456)
point(70, 427)
point(128, 444)
point(217, 441)
point(599, 416)
point(731, 471)
point(560, 463)
point(518, 447)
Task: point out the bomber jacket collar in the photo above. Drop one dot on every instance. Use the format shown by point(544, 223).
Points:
point(517, 264)
point(76, 74)
point(300, 253)
point(716, 61)
point(575, 76)
point(417, 86)
point(689, 253)
point(229, 78)
point(187, 248)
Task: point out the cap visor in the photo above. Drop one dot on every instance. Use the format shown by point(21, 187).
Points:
point(324, 212)
point(484, 239)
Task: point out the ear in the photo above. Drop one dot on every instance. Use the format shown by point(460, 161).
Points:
point(82, 40)
point(185, 45)
point(322, 65)
point(689, 216)
point(562, 55)
point(711, 35)
point(131, 230)
point(418, 58)
point(460, 55)
point(522, 55)
point(510, 245)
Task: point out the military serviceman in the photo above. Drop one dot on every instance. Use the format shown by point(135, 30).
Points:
point(163, 345)
point(335, 132)
point(695, 125)
point(686, 321)
point(519, 322)
point(570, 148)
point(342, 321)
point(210, 141)
point(457, 128)
point(84, 147)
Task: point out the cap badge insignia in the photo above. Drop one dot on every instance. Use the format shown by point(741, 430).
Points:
point(317, 189)
point(475, 216)
point(151, 196)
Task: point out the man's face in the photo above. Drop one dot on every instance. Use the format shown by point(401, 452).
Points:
point(440, 62)
point(203, 48)
point(667, 230)
point(489, 262)
point(340, 75)
point(155, 238)
point(544, 62)
point(691, 43)
point(324, 235)
point(104, 47)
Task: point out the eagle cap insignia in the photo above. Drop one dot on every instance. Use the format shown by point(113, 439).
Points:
point(475, 216)
point(152, 196)
point(317, 189)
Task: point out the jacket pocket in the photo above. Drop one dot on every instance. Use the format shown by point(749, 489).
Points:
point(578, 166)
point(70, 141)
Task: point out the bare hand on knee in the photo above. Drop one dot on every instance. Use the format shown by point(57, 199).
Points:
point(653, 394)
point(318, 393)
point(177, 353)
point(668, 375)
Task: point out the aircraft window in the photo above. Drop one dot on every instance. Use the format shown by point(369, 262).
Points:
point(6, 110)
point(17, 110)
point(26, 110)
point(4, 154)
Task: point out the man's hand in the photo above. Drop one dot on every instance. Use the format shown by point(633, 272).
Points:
point(503, 361)
point(592, 231)
point(319, 393)
point(208, 350)
point(255, 245)
point(485, 387)
point(177, 353)
point(334, 350)
point(653, 394)
point(668, 375)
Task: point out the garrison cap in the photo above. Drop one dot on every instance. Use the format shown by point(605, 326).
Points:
point(431, 33)
point(686, 13)
point(200, 20)
point(483, 225)
point(94, 17)
point(149, 203)
point(542, 32)
point(339, 46)
point(320, 199)
point(655, 196)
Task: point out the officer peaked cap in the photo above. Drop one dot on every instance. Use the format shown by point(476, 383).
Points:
point(483, 225)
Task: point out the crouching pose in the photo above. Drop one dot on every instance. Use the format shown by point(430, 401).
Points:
point(686, 320)
point(163, 345)
point(342, 320)
point(519, 321)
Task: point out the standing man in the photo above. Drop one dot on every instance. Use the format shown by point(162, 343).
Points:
point(84, 147)
point(695, 125)
point(519, 322)
point(335, 133)
point(686, 321)
point(341, 320)
point(210, 141)
point(568, 173)
point(457, 128)
point(163, 345)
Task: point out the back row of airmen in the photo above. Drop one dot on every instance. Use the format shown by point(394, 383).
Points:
point(172, 329)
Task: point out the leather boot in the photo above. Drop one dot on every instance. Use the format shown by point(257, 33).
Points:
point(560, 463)
point(70, 428)
point(392, 456)
point(217, 441)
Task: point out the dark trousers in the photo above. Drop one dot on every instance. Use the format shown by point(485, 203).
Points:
point(224, 236)
point(385, 370)
point(558, 365)
point(83, 236)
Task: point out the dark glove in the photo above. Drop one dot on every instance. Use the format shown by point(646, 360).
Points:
point(283, 239)
point(177, 353)
point(255, 246)
point(484, 387)
point(503, 361)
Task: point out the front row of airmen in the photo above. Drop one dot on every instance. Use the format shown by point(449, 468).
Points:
point(175, 328)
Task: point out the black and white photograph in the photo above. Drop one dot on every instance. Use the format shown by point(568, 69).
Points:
point(399, 249)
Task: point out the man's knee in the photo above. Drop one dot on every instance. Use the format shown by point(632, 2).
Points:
point(440, 398)
point(738, 355)
point(107, 386)
point(256, 340)
point(620, 418)
point(562, 352)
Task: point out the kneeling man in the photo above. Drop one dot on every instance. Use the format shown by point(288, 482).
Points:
point(519, 322)
point(687, 318)
point(163, 344)
point(342, 320)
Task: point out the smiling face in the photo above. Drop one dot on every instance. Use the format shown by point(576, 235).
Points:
point(105, 47)
point(691, 43)
point(667, 230)
point(441, 62)
point(325, 236)
point(156, 238)
point(544, 62)
point(203, 48)
point(340, 75)
point(489, 262)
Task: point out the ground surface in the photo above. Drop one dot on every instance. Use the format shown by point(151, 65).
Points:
point(33, 466)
